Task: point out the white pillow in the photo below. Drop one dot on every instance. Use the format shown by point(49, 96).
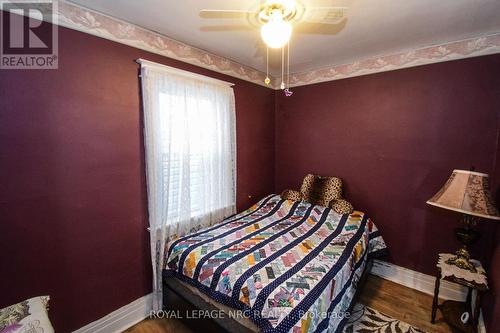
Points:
point(26, 316)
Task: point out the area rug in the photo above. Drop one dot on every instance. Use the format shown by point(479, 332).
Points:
point(364, 320)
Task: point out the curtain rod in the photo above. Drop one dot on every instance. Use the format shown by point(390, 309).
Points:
point(181, 72)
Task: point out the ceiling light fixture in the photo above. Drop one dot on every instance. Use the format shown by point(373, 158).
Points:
point(275, 18)
point(276, 32)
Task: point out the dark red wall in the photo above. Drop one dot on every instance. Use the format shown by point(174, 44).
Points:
point(491, 305)
point(73, 198)
point(394, 139)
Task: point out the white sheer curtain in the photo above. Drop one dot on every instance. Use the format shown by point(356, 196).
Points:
point(189, 133)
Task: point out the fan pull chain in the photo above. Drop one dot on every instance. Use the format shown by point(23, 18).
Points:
point(282, 86)
point(288, 65)
point(267, 80)
point(288, 93)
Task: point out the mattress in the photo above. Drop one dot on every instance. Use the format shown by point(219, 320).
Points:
point(203, 302)
point(288, 266)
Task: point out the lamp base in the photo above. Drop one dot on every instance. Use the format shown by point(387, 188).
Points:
point(466, 236)
point(461, 259)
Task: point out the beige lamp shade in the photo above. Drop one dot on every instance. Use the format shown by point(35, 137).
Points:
point(467, 192)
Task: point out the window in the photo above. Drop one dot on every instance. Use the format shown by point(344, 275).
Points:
point(190, 145)
point(189, 135)
point(192, 158)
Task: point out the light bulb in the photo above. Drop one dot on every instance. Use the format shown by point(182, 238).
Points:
point(276, 33)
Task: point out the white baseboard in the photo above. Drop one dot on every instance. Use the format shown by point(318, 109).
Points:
point(418, 281)
point(130, 314)
point(121, 319)
point(422, 282)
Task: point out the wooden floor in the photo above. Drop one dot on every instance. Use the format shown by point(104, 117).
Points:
point(397, 301)
point(402, 303)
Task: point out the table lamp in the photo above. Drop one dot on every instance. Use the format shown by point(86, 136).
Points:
point(466, 192)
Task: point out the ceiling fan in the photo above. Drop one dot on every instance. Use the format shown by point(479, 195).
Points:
point(276, 20)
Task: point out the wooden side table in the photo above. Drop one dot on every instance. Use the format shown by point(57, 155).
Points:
point(453, 310)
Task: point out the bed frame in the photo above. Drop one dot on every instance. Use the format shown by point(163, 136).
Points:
point(176, 297)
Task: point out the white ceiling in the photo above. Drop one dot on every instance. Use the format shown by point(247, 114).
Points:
point(372, 28)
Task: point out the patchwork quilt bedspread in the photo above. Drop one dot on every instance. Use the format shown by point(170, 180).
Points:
point(290, 266)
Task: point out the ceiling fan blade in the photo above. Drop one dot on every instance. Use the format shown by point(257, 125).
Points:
point(229, 27)
point(222, 13)
point(324, 14)
point(319, 28)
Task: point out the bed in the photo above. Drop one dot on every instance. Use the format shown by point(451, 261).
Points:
point(288, 266)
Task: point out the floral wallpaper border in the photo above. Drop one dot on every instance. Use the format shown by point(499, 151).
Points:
point(467, 48)
point(91, 22)
point(88, 21)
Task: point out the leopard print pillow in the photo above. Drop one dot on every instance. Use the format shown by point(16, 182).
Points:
point(341, 206)
point(291, 195)
point(321, 190)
